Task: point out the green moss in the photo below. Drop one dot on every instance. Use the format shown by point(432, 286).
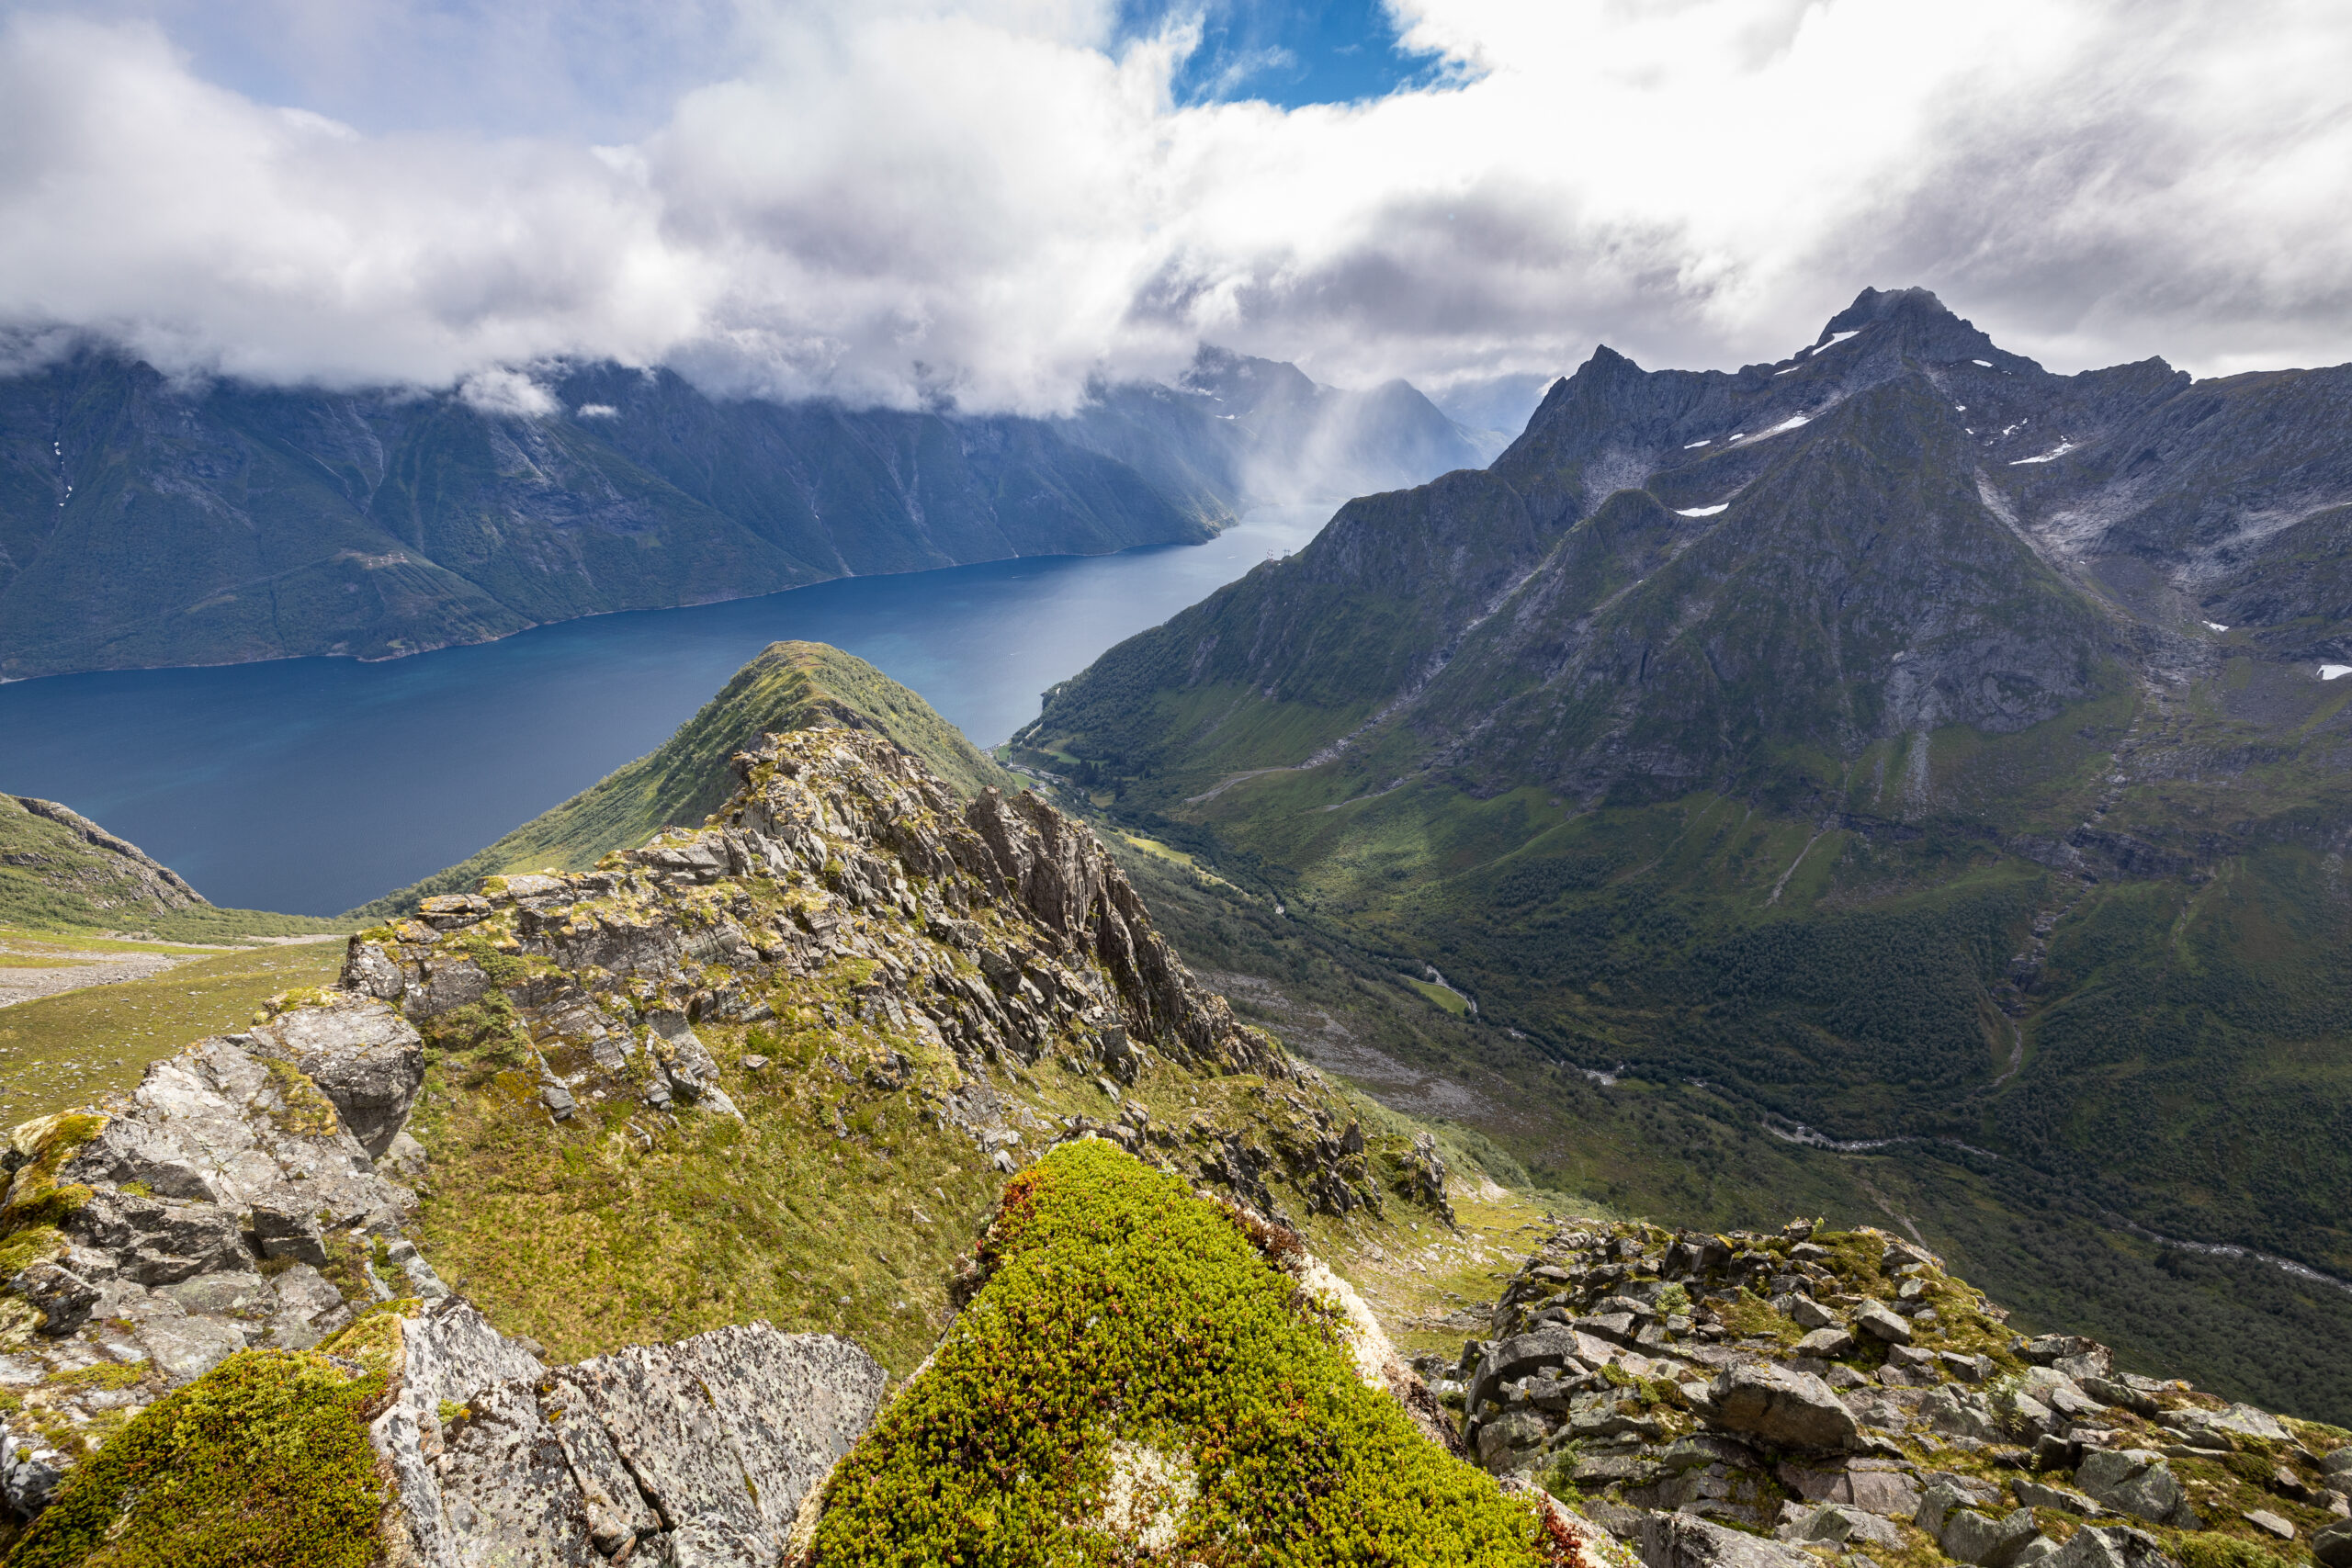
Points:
point(2209, 1549)
point(373, 1339)
point(1751, 1316)
point(1123, 1309)
point(302, 1109)
point(27, 1246)
point(104, 1374)
point(262, 1462)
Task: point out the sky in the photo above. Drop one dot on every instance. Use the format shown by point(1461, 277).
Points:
point(997, 203)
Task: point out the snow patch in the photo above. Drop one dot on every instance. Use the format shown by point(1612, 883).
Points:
point(2050, 457)
point(2215, 626)
point(2330, 672)
point(1704, 510)
point(1792, 369)
point(1694, 446)
point(1987, 363)
point(1790, 424)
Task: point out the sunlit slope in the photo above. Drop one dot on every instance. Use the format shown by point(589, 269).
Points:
point(791, 685)
point(1879, 744)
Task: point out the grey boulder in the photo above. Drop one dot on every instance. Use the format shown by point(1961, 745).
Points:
point(1874, 1319)
point(2113, 1547)
point(364, 1057)
point(2135, 1482)
point(1683, 1540)
point(1783, 1406)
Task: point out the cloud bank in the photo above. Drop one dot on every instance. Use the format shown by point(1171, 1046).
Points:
point(912, 201)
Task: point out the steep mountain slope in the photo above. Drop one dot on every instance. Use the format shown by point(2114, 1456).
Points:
point(146, 523)
point(1855, 745)
point(791, 685)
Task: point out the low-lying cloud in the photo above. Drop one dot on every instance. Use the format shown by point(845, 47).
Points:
point(992, 204)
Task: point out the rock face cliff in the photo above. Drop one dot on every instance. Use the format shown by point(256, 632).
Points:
point(1846, 1394)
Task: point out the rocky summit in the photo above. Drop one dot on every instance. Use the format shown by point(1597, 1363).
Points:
point(1774, 1399)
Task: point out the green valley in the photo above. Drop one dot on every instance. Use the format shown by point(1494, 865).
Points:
point(1791, 748)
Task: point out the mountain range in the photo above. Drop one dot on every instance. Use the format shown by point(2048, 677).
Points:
point(1897, 773)
point(145, 522)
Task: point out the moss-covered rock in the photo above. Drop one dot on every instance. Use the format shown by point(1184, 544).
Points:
point(1135, 1377)
point(262, 1462)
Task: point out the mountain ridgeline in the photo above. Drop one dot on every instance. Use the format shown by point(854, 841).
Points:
point(144, 522)
point(1900, 742)
point(791, 685)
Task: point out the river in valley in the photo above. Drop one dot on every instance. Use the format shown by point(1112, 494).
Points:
point(312, 785)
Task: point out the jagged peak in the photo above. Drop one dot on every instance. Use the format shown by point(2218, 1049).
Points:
point(1914, 322)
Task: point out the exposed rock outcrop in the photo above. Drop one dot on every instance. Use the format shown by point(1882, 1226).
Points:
point(699, 1452)
point(990, 935)
point(1844, 1390)
point(231, 1204)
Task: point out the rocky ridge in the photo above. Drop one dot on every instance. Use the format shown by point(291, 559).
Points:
point(258, 1192)
point(1768, 1400)
point(941, 948)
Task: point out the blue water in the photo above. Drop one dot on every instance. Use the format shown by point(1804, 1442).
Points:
point(314, 785)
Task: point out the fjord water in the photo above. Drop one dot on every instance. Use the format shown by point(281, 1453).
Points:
point(312, 785)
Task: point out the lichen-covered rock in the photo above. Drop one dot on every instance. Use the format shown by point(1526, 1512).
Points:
point(1684, 1541)
point(364, 1057)
point(1711, 1385)
point(697, 1451)
point(2136, 1481)
point(226, 1204)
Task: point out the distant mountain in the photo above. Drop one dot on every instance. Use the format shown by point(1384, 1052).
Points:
point(790, 686)
point(146, 523)
point(1899, 741)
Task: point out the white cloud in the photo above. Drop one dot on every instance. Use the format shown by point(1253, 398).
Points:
point(508, 394)
point(906, 201)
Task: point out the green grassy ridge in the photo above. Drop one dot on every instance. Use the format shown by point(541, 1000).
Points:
point(789, 686)
point(1123, 1308)
point(54, 879)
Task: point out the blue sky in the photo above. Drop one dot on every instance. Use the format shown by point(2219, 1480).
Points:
point(1308, 52)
